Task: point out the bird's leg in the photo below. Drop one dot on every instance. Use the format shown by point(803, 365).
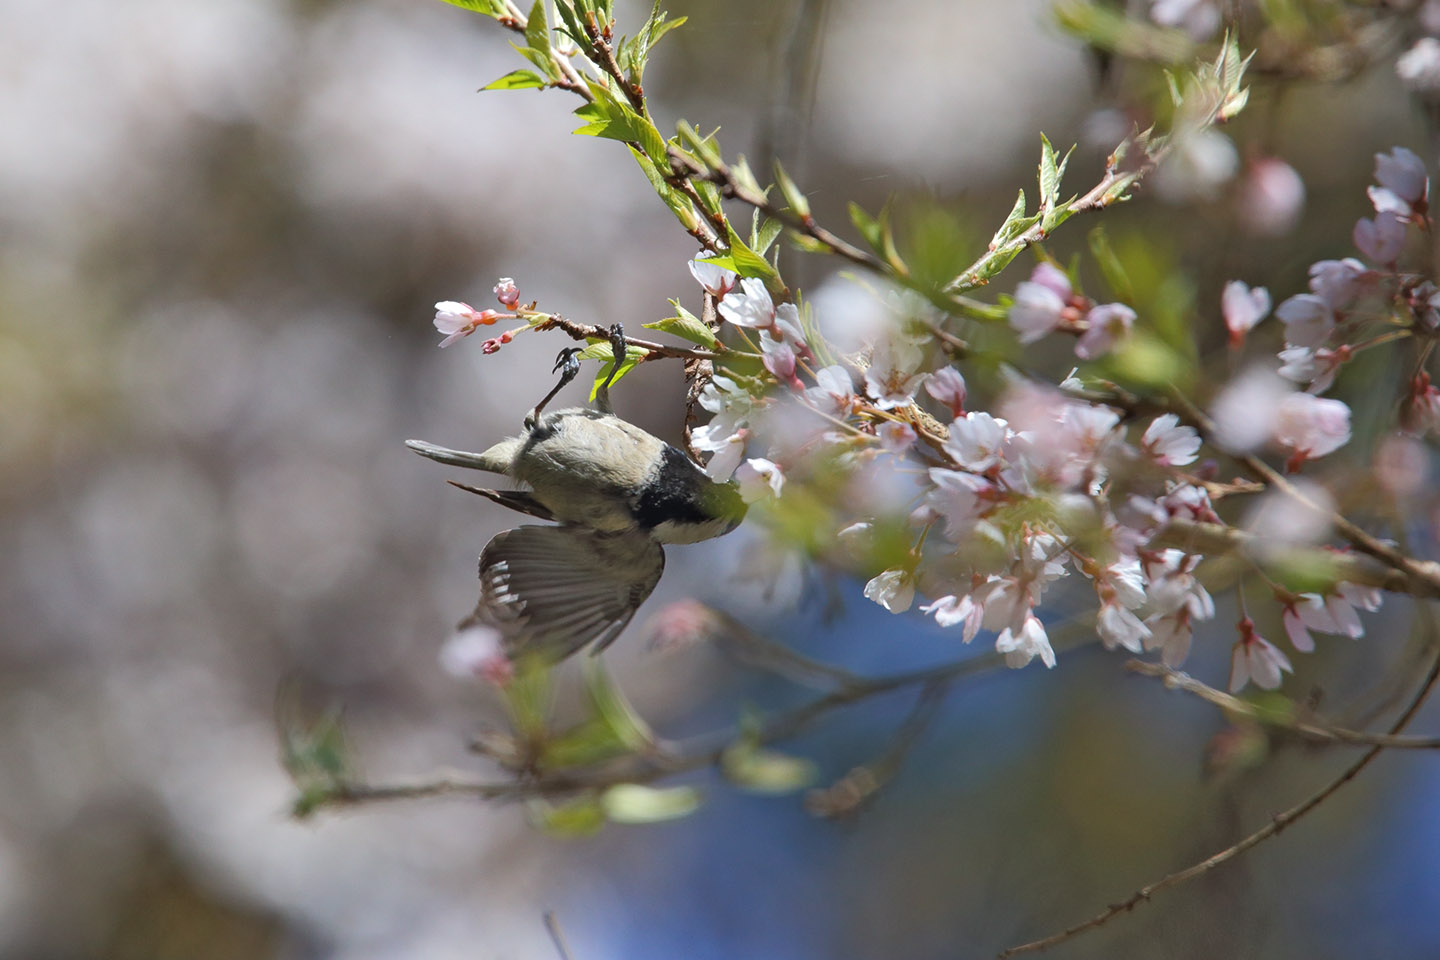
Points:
point(568, 368)
point(617, 352)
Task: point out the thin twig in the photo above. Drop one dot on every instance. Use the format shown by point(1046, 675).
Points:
point(557, 936)
point(654, 351)
point(1310, 730)
point(1277, 823)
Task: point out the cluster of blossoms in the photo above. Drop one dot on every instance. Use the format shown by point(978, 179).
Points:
point(1048, 302)
point(1052, 491)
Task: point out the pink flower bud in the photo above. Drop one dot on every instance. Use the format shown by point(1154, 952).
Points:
point(507, 293)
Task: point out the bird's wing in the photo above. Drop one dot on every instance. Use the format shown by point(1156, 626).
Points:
point(514, 499)
point(554, 590)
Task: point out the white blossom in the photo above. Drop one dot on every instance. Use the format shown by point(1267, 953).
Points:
point(894, 590)
point(1169, 442)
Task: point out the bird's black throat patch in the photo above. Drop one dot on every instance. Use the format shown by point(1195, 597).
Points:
point(681, 493)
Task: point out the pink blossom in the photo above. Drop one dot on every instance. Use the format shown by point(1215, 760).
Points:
point(833, 392)
point(1419, 67)
point(1242, 308)
point(1037, 310)
point(458, 320)
point(896, 437)
point(977, 441)
point(948, 386)
point(1199, 18)
point(681, 624)
point(1380, 238)
point(1169, 442)
point(507, 293)
point(1315, 366)
point(892, 377)
point(1119, 627)
point(1170, 633)
point(758, 479)
point(1255, 658)
point(716, 280)
point(1272, 197)
point(1401, 174)
point(1311, 427)
point(894, 590)
point(750, 307)
point(1244, 410)
point(783, 342)
point(961, 499)
point(1023, 645)
point(477, 652)
point(1109, 323)
point(1401, 466)
point(1308, 320)
point(966, 611)
point(1337, 282)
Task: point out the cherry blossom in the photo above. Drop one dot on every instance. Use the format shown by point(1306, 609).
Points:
point(1118, 627)
point(893, 376)
point(1311, 427)
point(1338, 282)
point(1039, 303)
point(960, 499)
point(1023, 645)
point(1242, 308)
point(507, 293)
point(716, 280)
point(1272, 197)
point(1255, 658)
point(1403, 185)
point(750, 306)
point(1170, 443)
point(458, 320)
point(1109, 324)
point(833, 392)
point(977, 441)
point(1380, 238)
point(896, 437)
point(477, 652)
point(894, 590)
point(759, 479)
point(968, 611)
point(1308, 320)
point(947, 385)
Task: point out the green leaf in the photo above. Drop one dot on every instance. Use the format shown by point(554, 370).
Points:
point(678, 203)
point(706, 148)
point(765, 771)
point(1049, 175)
point(582, 745)
point(580, 817)
point(537, 30)
point(490, 8)
point(686, 326)
point(636, 803)
point(764, 232)
point(794, 199)
point(517, 80)
point(868, 226)
point(613, 709)
point(608, 117)
point(1110, 266)
point(527, 697)
point(1015, 223)
point(748, 263)
point(600, 350)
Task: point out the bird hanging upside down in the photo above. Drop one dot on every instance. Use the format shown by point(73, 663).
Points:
point(616, 493)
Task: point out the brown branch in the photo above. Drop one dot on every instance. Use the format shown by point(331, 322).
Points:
point(1319, 732)
point(1277, 823)
point(654, 351)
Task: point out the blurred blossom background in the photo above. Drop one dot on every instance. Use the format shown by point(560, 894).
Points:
point(222, 229)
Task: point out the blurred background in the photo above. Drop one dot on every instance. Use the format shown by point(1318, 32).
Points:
point(222, 229)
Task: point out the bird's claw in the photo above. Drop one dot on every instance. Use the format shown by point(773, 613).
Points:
point(567, 361)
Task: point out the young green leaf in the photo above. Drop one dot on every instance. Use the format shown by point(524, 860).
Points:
point(748, 263)
point(794, 199)
point(685, 325)
point(613, 709)
point(580, 817)
point(600, 350)
point(537, 30)
point(754, 768)
point(517, 80)
point(635, 803)
point(490, 8)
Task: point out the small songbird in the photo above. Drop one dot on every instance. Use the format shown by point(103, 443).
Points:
point(616, 493)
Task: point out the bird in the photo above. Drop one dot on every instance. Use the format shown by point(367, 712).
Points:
point(616, 493)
